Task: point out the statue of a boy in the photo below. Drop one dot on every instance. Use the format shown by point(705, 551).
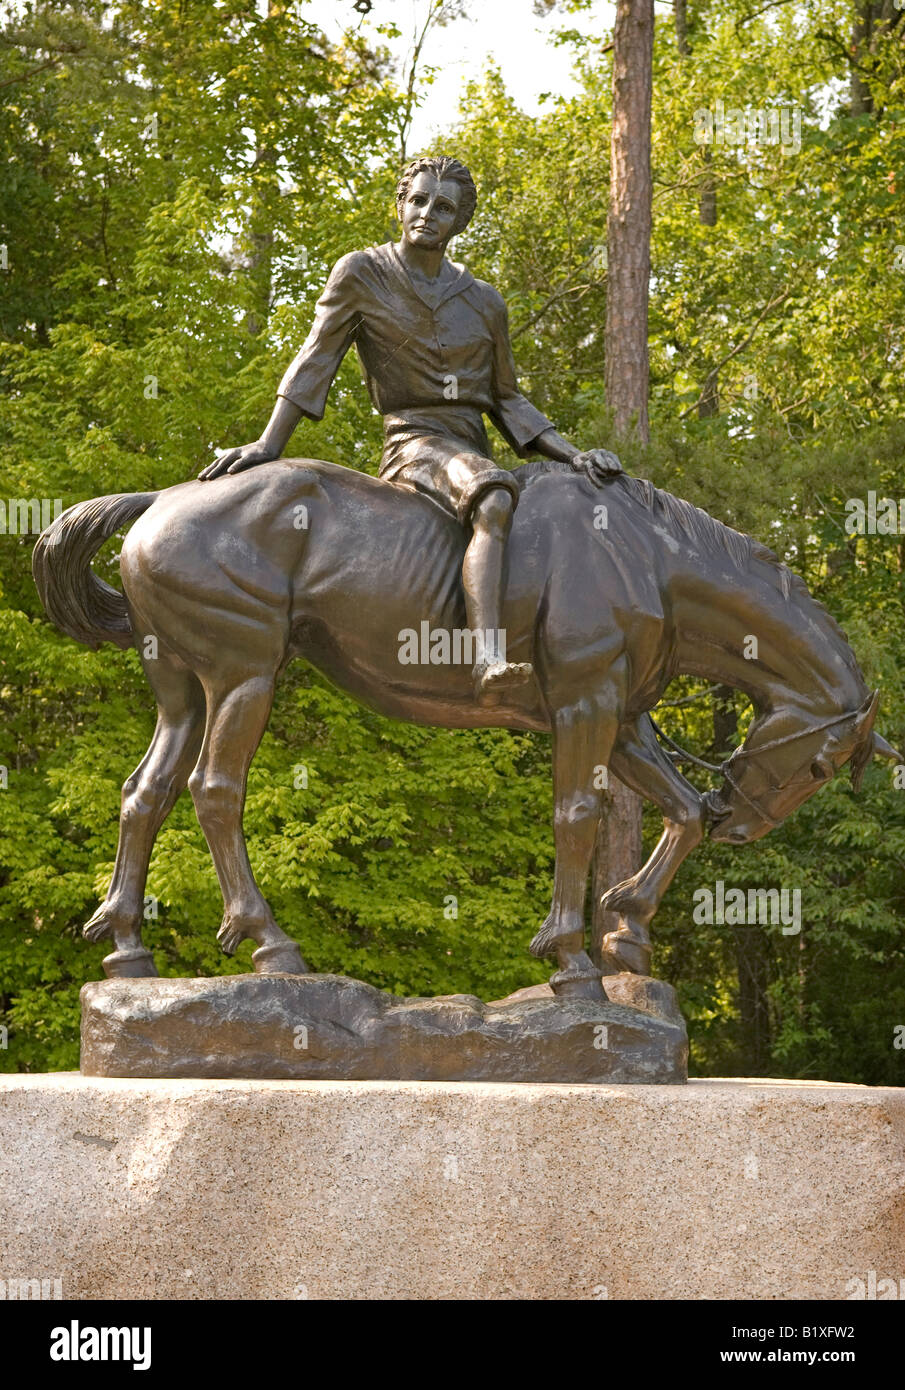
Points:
point(434, 345)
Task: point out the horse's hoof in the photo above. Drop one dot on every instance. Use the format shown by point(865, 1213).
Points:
point(99, 925)
point(284, 958)
point(137, 963)
point(625, 900)
point(230, 936)
point(567, 984)
point(622, 953)
point(543, 943)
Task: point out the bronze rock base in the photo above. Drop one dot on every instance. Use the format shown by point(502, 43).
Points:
point(328, 1027)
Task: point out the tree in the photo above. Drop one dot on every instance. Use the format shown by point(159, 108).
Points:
point(618, 849)
point(629, 217)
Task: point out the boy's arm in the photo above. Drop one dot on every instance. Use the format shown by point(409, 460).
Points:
point(306, 382)
point(599, 464)
point(518, 421)
point(270, 446)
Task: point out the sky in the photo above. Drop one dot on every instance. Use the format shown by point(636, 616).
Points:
point(504, 31)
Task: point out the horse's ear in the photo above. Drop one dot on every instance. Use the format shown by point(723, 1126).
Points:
point(864, 747)
point(884, 749)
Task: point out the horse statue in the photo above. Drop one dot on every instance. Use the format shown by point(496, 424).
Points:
point(610, 600)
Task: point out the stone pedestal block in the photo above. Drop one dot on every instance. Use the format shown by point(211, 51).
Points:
point(451, 1190)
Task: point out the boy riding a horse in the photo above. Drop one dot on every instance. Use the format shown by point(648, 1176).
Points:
point(434, 347)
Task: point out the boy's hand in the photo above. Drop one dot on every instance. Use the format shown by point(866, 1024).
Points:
point(237, 460)
point(599, 465)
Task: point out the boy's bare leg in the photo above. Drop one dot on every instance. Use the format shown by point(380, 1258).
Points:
point(482, 578)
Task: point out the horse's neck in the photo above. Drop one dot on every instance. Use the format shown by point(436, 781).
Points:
point(775, 648)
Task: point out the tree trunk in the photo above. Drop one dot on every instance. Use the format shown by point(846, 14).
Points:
point(725, 722)
point(862, 28)
point(259, 260)
point(629, 219)
point(618, 849)
point(617, 855)
point(680, 15)
point(261, 215)
point(752, 953)
point(707, 200)
point(709, 403)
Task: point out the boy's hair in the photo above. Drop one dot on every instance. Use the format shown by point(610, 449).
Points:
point(442, 166)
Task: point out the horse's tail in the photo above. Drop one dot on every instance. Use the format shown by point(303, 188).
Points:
point(75, 600)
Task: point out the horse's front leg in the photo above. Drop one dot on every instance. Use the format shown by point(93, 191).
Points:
point(639, 761)
point(583, 735)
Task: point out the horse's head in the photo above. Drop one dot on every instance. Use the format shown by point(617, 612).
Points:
point(787, 757)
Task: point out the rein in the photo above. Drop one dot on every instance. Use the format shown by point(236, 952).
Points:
point(683, 755)
point(790, 738)
point(723, 769)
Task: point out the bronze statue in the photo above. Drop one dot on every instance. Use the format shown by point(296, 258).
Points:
point(434, 347)
point(602, 604)
point(606, 616)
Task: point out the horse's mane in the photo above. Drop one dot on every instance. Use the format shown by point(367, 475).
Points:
point(685, 519)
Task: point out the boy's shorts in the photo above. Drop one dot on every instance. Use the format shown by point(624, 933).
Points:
point(451, 469)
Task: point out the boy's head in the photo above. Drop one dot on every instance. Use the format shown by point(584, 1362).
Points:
point(435, 199)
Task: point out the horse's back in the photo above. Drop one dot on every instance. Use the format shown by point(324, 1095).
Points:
point(302, 549)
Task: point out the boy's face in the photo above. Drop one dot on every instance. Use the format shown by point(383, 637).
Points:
point(429, 211)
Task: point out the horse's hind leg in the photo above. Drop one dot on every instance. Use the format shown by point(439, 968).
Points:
point(582, 737)
point(148, 796)
point(236, 720)
point(639, 761)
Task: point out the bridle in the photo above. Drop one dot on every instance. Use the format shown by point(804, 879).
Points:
point(743, 752)
point(749, 800)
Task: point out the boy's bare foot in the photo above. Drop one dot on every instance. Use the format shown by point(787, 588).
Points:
point(492, 679)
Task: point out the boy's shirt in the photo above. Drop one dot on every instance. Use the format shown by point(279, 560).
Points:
point(444, 351)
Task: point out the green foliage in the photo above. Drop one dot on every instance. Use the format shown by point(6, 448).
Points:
point(177, 178)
